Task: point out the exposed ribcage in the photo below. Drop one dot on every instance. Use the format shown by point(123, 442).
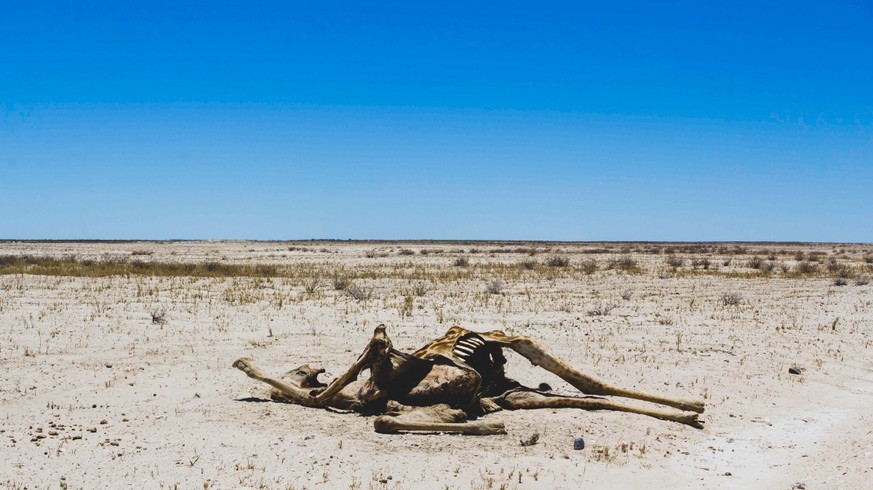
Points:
point(471, 349)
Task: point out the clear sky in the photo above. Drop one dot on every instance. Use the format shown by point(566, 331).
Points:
point(502, 120)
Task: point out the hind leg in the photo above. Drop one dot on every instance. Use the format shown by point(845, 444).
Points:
point(525, 400)
point(539, 356)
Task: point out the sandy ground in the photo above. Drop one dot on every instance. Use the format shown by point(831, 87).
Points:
point(94, 394)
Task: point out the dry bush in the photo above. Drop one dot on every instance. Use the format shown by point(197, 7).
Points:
point(840, 281)
point(862, 281)
point(341, 283)
point(557, 261)
point(494, 287)
point(675, 261)
point(602, 309)
point(311, 285)
point(806, 267)
point(420, 288)
point(406, 251)
point(624, 263)
point(359, 294)
point(588, 266)
point(528, 264)
point(159, 316)
point(626, 295)
point(703, 263)
point(731, 299)
point(755, 262)
point(839, 269)
point(462, 262)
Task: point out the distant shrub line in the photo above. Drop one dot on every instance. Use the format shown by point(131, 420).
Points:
point(71, 266)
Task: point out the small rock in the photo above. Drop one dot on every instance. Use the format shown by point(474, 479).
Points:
point(578, 443)
point(795, 370)
point(104, 422)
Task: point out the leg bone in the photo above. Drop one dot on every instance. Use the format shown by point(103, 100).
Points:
point(538, 356)
point(520, 400)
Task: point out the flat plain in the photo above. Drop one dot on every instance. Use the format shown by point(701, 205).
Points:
point(115, 362)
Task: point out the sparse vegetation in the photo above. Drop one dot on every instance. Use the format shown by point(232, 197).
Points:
point(494, 287)
point(675, 261)
point(623, 263)
point(159, 316)
point(602, 309)
point(806, 268)
point(731, 299)
point(557, 261)
point(257, 299)
point(420, 288)
point(588, 266)
point(528, 264)
point(341, 283)
point(311, 285)
point(755, 262)
point(702, 263)
point(359, 294)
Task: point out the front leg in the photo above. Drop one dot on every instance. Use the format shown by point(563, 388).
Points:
point(289, 392)
point(375, 357)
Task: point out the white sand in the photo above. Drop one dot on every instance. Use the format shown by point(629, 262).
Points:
point(77, 351)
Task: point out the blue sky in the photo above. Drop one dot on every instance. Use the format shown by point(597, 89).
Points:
point(504, 120)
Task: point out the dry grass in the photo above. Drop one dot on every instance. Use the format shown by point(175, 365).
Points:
point(617, 310)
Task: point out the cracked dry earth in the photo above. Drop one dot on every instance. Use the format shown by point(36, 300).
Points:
point(125, 381)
